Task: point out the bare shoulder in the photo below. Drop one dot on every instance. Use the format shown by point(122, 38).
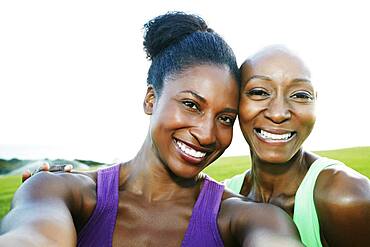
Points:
point(340, 185)
point(46, 210)
point(246, 222)
point(48, 184)
point(342, 199)
point(76, 191)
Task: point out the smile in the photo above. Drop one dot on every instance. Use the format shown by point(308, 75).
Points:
point(274, 137)
point(190, 151)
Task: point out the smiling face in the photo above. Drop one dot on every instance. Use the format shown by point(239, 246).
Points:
point(192, 121)
point(277, 101)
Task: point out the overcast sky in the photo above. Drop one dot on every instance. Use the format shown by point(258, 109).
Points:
point(73, 73)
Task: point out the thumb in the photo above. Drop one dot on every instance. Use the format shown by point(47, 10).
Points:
point(26, 175)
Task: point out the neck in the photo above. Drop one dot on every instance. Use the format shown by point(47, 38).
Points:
point(149, 176)
point(270, 180)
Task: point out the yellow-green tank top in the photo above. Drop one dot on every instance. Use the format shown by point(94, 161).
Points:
point(305, 216)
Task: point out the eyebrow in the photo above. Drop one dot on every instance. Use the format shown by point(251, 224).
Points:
point(230, 110)
point(195, 95)
point(262, 77)
point(266, 78)
point(301, 80)
point(227, 109)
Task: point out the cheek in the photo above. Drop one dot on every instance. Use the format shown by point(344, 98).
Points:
point(225, 137)
point(304, 119)
point(164, 119)
point(248, 110)
point(310, 122)
point(167, 113)
point(307, 117)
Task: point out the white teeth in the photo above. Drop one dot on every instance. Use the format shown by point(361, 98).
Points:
point(189, 151)
point(277, 137)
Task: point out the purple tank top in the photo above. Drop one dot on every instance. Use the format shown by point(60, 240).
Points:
point(202, 230)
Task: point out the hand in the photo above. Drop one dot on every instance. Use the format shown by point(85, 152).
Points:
point(47, 168)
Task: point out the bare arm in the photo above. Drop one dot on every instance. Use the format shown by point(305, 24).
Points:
point(41, 213)
point(342, 198)
point(259, 224)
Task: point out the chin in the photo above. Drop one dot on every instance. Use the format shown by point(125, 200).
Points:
point(274, 158)
point(185, 172)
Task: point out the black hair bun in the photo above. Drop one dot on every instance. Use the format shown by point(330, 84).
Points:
point(167, 29)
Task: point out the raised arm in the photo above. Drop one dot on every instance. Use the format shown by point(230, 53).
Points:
point(342, 198)
point(41, 213)
point(259, 224)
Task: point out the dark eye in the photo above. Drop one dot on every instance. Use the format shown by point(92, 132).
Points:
point(227, 120)
point(302, 96)
point(258, 94)
point(190, 104)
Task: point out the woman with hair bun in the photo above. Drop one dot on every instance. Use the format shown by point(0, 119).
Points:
point(160, 197)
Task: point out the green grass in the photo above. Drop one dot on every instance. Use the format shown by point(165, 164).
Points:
point(8, 185)
point(226, 167)
point(358, 158)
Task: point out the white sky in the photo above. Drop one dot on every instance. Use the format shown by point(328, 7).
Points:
point(73, 73)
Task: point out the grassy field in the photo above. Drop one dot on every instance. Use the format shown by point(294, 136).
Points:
point(357, 158)
point(8, 185)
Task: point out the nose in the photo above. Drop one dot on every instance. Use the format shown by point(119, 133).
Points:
point(278, 110)
point(205, 131)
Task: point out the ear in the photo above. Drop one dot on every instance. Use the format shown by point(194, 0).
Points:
point(149, 100)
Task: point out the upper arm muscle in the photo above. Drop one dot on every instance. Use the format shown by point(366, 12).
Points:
point(342, 199)
point(41, 213)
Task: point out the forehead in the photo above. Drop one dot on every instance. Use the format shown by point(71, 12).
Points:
point(276, 65)
point(209, 81)
point(203, 77)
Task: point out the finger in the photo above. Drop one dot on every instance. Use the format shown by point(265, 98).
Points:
point(44, 167)
point(68, 168)
point(26, 175)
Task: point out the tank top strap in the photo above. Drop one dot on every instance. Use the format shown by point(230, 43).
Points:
point(305, 215)
point(203, 230)
point(100, 227)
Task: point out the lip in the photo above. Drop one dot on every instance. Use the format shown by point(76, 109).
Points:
point(191, 159)
point(275, 130)
point(195, 147)
point(257, 132)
